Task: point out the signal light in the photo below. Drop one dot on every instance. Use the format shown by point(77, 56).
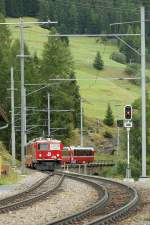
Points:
point(128, 112)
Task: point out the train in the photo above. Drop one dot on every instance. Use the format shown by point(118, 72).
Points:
point(43, 153)
point(49, 154)
point(78, 155)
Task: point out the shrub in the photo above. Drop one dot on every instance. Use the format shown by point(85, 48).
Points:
point(133, 70)
point(119, 57)
point(107, 134)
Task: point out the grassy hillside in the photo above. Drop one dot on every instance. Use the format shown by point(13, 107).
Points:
point(96, 94)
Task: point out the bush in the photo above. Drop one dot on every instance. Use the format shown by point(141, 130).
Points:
point(133, 70)
point(119, 57)
point(107, 134)
point(119, 170)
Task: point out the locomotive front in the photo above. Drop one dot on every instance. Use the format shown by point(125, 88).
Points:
point(44, 154)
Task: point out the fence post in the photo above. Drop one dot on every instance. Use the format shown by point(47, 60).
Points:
point(79, 169)
point(85, 171)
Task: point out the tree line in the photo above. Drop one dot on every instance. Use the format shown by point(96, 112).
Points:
point(19, 8)
point(85, 16)
point(76, 16)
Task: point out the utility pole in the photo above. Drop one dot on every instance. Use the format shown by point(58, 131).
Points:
point(81, 123)
point(21, 26)
point(25, 116)
point(13, 147)
point(143, 91)
point(49, 116)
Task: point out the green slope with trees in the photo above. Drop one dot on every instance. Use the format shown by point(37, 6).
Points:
point(83, 51)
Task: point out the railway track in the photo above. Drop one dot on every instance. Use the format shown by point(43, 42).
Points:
point(39, 191)
point(117, 201)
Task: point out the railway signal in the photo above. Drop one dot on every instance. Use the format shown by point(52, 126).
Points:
point(128, 112)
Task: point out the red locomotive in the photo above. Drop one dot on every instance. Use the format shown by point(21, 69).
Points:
point(43, 153)
point(78, 155)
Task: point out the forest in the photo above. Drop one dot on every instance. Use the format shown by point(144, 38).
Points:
point(82, 16)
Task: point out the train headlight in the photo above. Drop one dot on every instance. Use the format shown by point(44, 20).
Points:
point(57, 155)
point(40, 155)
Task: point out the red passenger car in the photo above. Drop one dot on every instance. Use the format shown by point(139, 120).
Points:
point(43, 153)
point(78, 155)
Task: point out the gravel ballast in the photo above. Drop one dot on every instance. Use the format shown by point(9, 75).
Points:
point(142, 216)
point(71, 197)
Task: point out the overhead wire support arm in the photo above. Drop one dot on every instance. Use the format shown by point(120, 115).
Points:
point(53, 110)
point(37, 90)
point(34, 22)
point(90, 35)
point(123, 41)
point(96, 79)
point(129, 46)
point(128, 22)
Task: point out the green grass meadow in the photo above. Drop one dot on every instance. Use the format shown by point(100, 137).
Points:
point(98, 93)
point(95, 93)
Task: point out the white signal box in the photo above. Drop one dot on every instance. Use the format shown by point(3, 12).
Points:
point(127, 123)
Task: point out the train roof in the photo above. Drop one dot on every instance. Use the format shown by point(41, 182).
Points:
point(41, 139)
point(78, 148)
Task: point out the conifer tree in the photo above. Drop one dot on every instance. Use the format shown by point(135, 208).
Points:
point(98, 62)
point(109, 119)
point(57, 63)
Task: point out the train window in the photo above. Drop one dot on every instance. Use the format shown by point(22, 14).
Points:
point(43, 146)
point(83, 152)
point(54, 146)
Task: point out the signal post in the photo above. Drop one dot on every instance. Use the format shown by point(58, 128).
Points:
point(128, 126)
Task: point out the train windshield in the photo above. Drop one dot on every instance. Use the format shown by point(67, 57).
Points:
point(43, 146)
point(54, 146)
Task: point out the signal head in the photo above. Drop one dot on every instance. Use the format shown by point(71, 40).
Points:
point(128, 112)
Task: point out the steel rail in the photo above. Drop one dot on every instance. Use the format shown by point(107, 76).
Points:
point(25, 202)
point(107, 219)
point(28, 190)
point(90, 210)
point(111, 217)
point(118, 213)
